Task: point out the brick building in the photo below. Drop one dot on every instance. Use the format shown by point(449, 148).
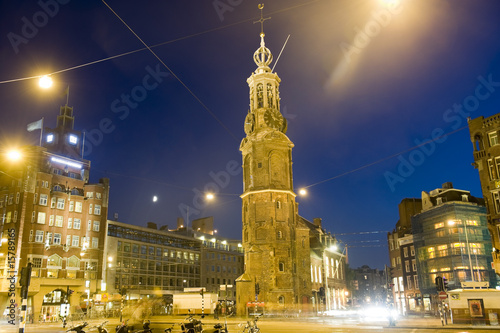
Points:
point(57, 220)
point(403, 278)
point(484, 134)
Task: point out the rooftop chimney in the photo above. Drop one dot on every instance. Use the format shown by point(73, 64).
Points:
point(448, 185)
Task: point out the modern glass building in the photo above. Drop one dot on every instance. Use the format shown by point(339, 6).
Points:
point(452, 240)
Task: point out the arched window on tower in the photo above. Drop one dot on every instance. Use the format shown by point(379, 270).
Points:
point(279, 235)
point(281, 266)
point(270, 95)
point(278, 204)
point(281, 300)
point(478, 143)
point(260, 95)
point(247, 172)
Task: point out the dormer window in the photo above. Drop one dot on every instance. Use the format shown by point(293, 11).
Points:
point(465, 197)
point(439, 200)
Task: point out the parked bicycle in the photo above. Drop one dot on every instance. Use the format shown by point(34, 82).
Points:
point(250, 326)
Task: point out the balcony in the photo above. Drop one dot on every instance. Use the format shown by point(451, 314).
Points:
point(479, 155)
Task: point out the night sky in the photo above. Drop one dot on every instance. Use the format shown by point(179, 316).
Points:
point(363, 85)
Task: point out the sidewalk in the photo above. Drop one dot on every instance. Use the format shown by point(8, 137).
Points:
point(435, 322)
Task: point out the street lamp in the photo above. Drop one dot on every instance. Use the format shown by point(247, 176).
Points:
point(45, 82)
point(451, 222)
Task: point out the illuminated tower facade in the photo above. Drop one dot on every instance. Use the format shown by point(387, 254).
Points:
point(275, 241)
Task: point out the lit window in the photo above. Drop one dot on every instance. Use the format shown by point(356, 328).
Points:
point(96, 226)
point(439, 225)
point(73, 139)
point(59, 221)
point(76, 224)
point(78, 207)
point(41, 218)
point(97, 210)
point(50, 138)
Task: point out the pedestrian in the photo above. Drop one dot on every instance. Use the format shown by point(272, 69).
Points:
point(216, 311)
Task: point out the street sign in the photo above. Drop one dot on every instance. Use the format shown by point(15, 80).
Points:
point(64, 311)
point(443, 295)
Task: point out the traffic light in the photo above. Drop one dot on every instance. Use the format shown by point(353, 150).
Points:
point(257, 289)
point(445, 284)
point(439, 283)
point(124, 291)
point(201, 292)
point(25, 278)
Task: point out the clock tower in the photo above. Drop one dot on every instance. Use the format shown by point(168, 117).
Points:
point(275, 241)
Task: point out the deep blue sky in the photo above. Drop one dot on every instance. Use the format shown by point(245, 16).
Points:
point(346, 107)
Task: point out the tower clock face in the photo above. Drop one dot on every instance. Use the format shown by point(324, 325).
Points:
point(249, 123)
point(273, 119)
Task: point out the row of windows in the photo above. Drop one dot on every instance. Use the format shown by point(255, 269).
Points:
point(224, 269)
point(56, 239)
point(9, 199)
point(454, 249)
point(153, 281)
point(412, 251)
point(58, 203)
point(58, 221)
point(56, 260)
point(412, 282)
point(449, 223)
point(413, 266)
point(148, 237)
point(219, 281)
point(158, 251)
point(211, 255)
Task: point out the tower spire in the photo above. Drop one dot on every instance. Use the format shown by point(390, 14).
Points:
point(262, 57)
point(262, 19)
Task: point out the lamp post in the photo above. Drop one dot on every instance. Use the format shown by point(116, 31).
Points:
point(451, 222)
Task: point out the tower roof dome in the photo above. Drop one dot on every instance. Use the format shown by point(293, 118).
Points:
point(262, 56)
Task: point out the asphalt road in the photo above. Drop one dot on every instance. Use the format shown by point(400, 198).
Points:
point(312, 325)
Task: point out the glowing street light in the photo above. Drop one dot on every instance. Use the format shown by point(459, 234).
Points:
point(333, 248)
point(14, 155)
point(45, 82)
point(303, 191)
point(155, 198)
point(210, 196)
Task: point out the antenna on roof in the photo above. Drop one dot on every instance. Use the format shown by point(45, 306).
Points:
point(286, 41)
